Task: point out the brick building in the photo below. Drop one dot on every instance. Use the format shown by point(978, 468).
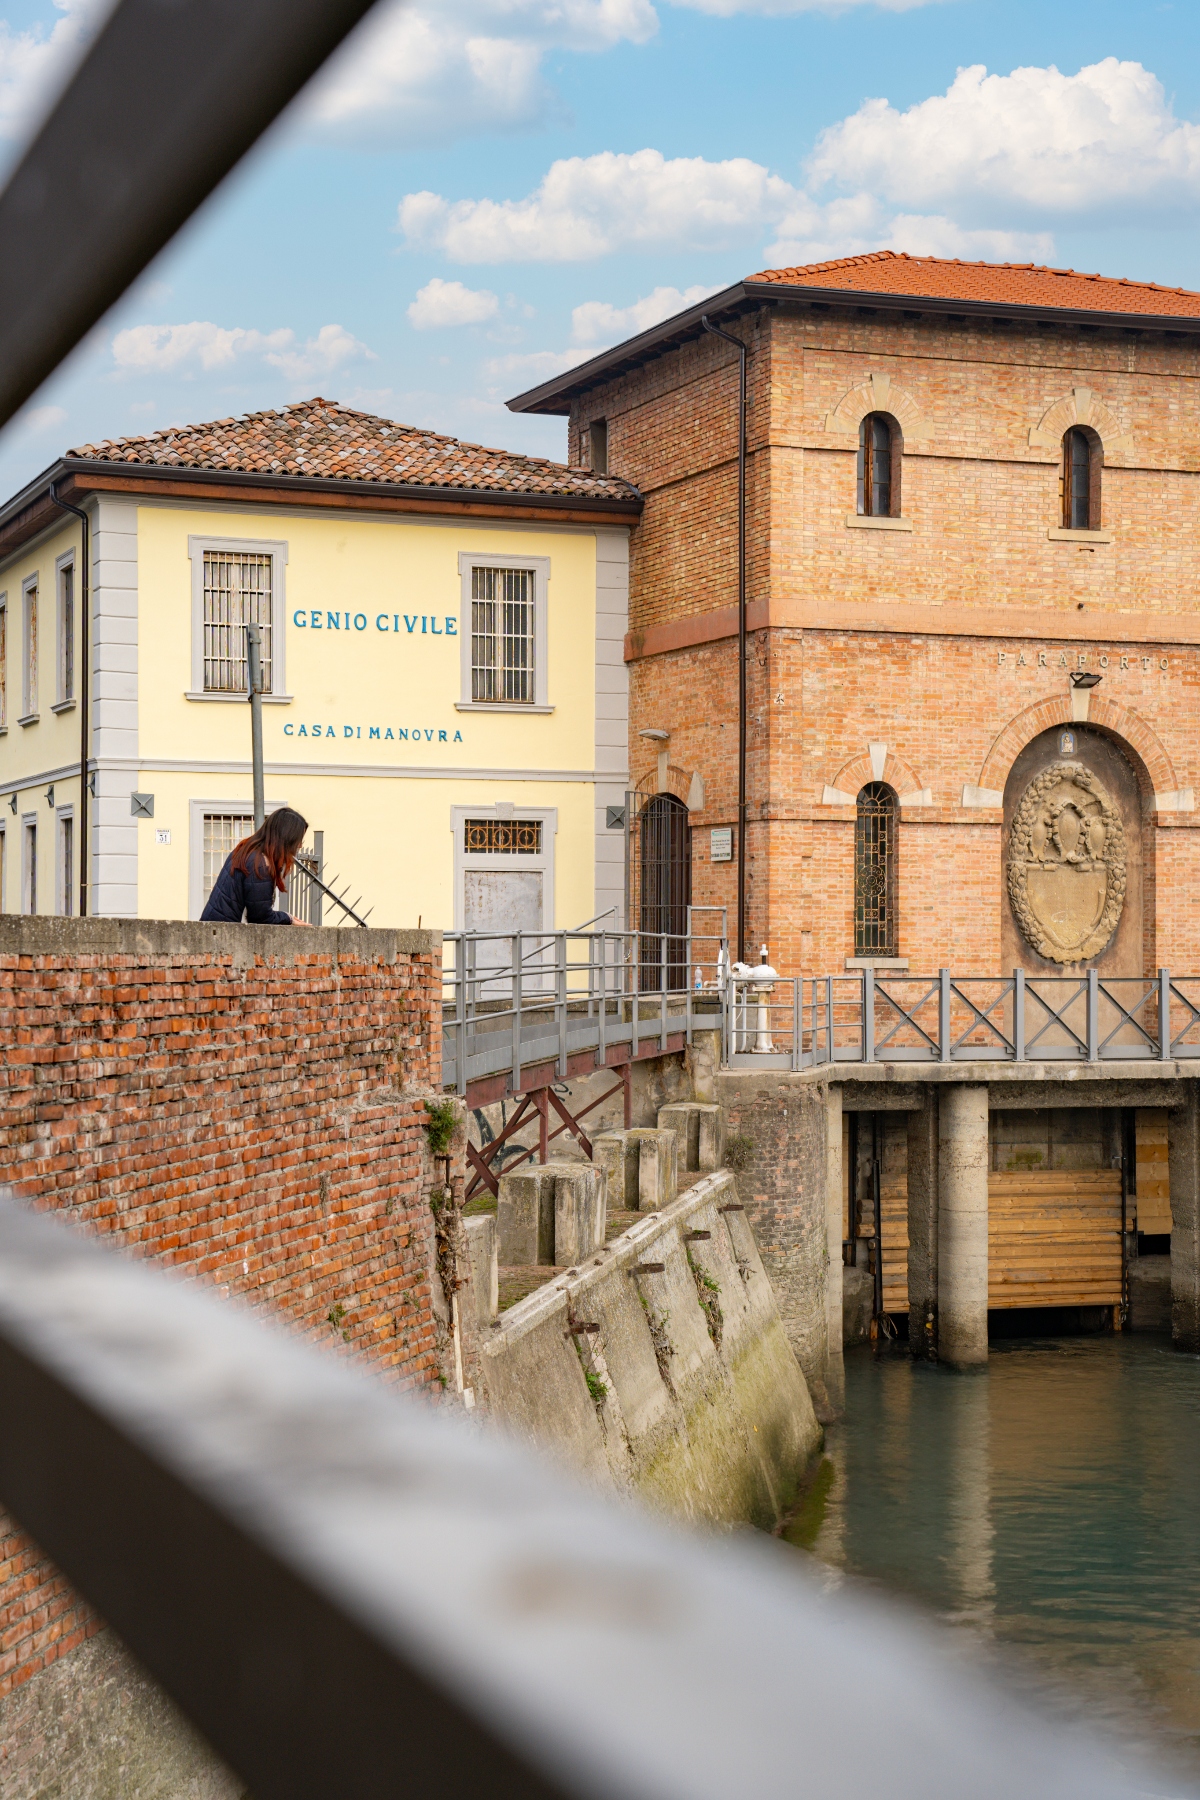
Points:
point(966, 486)
point(968, 568)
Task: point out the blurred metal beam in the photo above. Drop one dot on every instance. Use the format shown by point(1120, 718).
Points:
point(355, 1594)
point(170, 96)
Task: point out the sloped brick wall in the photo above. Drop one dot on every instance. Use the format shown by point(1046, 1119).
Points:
point(243, 1104)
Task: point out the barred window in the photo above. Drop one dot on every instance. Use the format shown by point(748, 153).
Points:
point(503, 837)
point(221, 832)
point(502, 635)
point(237, 593)
point(875, 871)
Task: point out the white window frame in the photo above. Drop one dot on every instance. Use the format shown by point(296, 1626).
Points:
point(31, 587)
point(543, 861)
point(539, 567)
point(277, 550)
point(196, 810)
point(4, 636)
point(29, 823)
point(65, 891)
point(64, 702)
point(3, 865)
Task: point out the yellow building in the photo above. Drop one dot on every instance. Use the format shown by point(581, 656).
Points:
point(443, 631)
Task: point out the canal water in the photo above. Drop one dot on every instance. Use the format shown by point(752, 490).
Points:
point(1048, 1508)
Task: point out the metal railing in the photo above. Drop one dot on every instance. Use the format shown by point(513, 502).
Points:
point(525, 999)
point(800, 1022)
point(352, 1592)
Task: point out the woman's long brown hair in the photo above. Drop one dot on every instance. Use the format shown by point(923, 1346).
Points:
point(275, 842)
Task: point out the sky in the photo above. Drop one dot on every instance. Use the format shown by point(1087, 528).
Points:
point(476, 193)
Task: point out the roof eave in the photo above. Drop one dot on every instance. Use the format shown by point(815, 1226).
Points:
point(79, 470)
point(555, 396)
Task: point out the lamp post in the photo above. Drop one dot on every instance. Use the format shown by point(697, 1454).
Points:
point(254, 685)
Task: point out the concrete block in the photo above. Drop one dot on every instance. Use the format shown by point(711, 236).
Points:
point(483, 1245)
point(684, 1120)
point(658, 1168)
point(579, 1212)
point(1150, 1294)
point(525, 1217)
point(710, 1139)
point(858, 1302)
point(616, 1157)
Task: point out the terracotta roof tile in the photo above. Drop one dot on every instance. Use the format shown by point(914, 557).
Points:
point(1008, 284)
point(320, 438)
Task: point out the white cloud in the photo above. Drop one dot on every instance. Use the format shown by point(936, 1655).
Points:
point(433, 72)
point(778, 8)
point(534, 365)
point(182, 349)
point(39, 419)
point(812, 232)
point(590, 206)
point(35, 64)
point(1033, 143)
point(598, 321)
point(440, 303)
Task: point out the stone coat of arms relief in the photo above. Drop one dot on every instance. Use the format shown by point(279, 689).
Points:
point(1066, 864)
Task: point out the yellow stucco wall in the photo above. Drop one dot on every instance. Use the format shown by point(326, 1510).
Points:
point(387, 829)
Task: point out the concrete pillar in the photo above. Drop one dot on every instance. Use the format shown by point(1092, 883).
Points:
point(658, 1168)
point(710, 1142)
point(525, 1217)
point(962, 1225)
point(683, 1118)
point(578, 1212)
point(616, 1156)
point(1183, 1139)
point(923, 1226)
point(835, 1368)
point(482, 1250)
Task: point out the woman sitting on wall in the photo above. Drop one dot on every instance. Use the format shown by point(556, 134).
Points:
point(254, 869)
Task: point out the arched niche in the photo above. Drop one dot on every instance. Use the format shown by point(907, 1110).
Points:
point(1073, 865)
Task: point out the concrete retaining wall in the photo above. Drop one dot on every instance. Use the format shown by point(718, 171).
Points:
point(662, 1366)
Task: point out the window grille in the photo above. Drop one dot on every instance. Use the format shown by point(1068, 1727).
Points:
point(502, 642)
point(503, 837)
point(666, 891)
point(31, 869)
point(237, 593)
point(66, 629)
point(66, 866)
point(875, 467)
point(1077, 481)
point(875, 871)
point(221, 832)
point(3, 663)
point(31, 650)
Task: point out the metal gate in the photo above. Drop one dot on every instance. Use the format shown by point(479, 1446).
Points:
point(664, 883)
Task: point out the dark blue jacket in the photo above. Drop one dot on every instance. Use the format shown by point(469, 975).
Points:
point(238, 891)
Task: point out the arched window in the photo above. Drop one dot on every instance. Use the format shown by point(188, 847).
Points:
point(1080, 481)
point(875, 871)
point(879, 467)
point(666, 891)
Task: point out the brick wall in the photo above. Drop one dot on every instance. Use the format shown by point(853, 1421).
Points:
point(951, 644)
point(245, 1105)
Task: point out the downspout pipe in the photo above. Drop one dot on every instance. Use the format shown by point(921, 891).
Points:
point(740, 346)
point(85, 687)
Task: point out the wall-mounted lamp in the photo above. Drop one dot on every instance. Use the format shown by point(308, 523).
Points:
point(1085, 678)
point(657, 736)
point(50, 795)
point(12, 803)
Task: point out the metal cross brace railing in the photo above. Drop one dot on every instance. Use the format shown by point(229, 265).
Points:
point(355, 1593)
point(980, 1017)
point(540, 1101)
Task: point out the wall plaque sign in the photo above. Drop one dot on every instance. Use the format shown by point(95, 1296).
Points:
point(1066, 864)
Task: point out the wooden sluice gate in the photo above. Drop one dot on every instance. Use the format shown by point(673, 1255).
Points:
point(1069, 1192)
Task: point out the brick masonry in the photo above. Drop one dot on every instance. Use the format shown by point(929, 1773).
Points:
point(246, 1106)
point(951, 643)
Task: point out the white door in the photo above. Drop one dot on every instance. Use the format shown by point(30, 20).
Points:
point(502, 900)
